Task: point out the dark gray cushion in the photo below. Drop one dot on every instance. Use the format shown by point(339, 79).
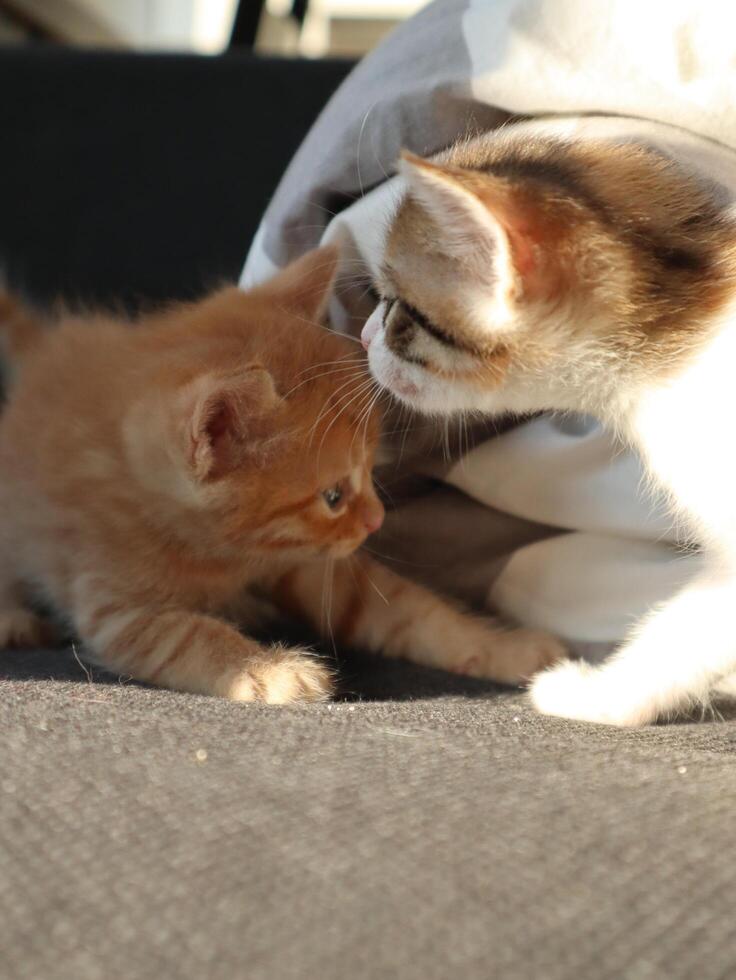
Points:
point(427, 827)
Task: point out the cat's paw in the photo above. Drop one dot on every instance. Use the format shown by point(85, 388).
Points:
point(579, 691)
point(513, 657)
point(23, 628)
point(283, 677)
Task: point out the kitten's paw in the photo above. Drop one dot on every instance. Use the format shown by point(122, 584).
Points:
point(284, 677)
point(23, 628)
point(579, 691)
point(513, 657)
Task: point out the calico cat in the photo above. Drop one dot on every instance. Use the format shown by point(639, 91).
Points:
point(161, 479)
point(532, 271)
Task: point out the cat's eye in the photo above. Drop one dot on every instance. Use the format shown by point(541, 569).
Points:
point(388, 306)
point(333, 496)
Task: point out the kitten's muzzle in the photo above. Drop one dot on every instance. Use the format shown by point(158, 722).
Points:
point(373, 515)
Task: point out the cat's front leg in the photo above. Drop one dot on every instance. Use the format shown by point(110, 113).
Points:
point(361, 602)
point(674, 660)
point(188, 651)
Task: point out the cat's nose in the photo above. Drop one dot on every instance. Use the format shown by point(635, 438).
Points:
point(373, 515)
point(371, 328)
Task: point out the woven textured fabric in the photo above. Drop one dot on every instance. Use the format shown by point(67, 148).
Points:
point(424, 826)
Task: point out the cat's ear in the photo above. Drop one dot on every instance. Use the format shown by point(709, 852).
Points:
point(478, 218)
point(225, 417)
point(305, 285)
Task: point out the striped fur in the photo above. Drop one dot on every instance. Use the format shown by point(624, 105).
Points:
point(157, 475)
point(371, 607)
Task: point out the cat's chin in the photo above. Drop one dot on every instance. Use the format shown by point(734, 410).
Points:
point(416, 388)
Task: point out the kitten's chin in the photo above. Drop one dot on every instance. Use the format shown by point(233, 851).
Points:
point(344, 549)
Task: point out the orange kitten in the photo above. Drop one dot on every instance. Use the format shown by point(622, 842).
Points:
point(525, 273)
point(157, 477)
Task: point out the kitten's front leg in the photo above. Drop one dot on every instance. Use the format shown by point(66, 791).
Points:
point(361, 602)
point(676, 657)
point(19, 625)
point(189, 651)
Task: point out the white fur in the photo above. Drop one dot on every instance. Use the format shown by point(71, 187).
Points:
point(469, 230)
point(683, 651)
point(416, 387)
point(680, 653)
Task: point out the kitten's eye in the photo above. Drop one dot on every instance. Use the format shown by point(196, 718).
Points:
point(333, 496)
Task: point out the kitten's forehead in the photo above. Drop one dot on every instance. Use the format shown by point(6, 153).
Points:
point(333, 430)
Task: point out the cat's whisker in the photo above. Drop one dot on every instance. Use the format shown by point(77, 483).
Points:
point(365, 292)
point(360, 137)
point(322, 207)
point(333, 368)
point(345, 406)
point(364, 417)
point(321, 326)
point(404, 413)
point(337, 372)
point(363, 390)
point(335, 403)
point(348, 359)
point(347, 376)
point(364, 423)
point(446, 443)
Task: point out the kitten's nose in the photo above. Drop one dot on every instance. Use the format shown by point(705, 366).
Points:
point(373, 515)
point(371, 328)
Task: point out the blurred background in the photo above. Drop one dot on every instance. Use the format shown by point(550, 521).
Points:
point(136, 163)
point(307, 28)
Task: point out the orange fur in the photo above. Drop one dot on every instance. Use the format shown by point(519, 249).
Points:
point(154, 473)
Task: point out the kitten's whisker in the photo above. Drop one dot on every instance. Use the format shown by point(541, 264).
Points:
point(384, 490)
point(375, 588)
point(328, 585)
point(401, 561)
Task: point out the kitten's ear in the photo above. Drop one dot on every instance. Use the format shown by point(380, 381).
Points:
point(478, 217)
point(305, 285)
point(225, 417)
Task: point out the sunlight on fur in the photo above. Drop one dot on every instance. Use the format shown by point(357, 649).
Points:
point(160, 476)
point(524, 274)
